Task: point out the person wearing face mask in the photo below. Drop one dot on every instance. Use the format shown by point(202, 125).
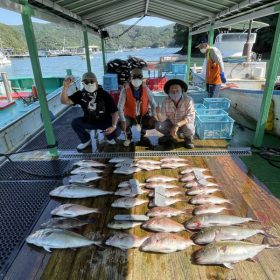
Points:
point(134, 102)
point(176, 115)
point(100, 111)
point(215, 75)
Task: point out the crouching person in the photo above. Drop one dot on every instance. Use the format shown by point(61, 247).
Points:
point(177, 114)
point(100, 111)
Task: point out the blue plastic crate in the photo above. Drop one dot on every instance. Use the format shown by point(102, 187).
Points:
point(166, 67)
point(211, 112)
point(217, 103)
point(214, 127)
point(175, 76)
point(110, 82)
point(178, 68)
point(199, 106)
point(197, 96)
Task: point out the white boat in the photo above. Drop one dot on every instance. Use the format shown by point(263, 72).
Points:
point(4, 60)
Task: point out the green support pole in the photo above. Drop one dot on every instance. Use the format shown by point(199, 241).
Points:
point(33, 52)
point(87, 50)
point(103, 54)
point(188, 66)
point(211, 36)
point(68, 72)
point(269, 86)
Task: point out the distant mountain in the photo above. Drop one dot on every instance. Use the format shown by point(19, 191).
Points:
point(52, 36)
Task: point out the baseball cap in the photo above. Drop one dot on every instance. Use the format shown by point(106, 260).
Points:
point(202, 41)
point(89, 76)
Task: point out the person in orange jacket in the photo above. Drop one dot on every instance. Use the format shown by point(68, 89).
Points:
point(215, 75)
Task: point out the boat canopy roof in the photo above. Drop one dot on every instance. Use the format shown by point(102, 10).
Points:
point(99, 14)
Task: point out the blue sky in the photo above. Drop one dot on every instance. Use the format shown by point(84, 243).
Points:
point(12, 18)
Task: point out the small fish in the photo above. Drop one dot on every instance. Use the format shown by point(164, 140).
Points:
point(123, 224)
point(164, 211)
point(125, 241)
point(84, 178)
point(204, 199)
point(220, 233)
point(72, 191)
point(126, 184)
point(169, 192)
point(173, 159)
point(173, 165)
point(127, 171)
point(128, 202)
point(148, 161)
point(73, 210)
point(208, 220)
point(128, 192)
point(154, 185)
point(59, 239)
point(208, 209)
point(206, 183)
point(163, 224)
point(89, 163)
point(165, 243)
point(65, 223)
point(85, 170)
point(228, 252)
point(192, 169)
point(147, 167)
point(187, 178)
point(161, 179)
point(191, 184)
point(119, 159)
point(202, 190)
point(169, 201)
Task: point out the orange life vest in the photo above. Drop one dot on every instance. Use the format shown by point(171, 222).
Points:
point(130, 103)
point(212, 71)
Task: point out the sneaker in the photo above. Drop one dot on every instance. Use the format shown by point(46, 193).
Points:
point(111, 142)
point(188, 143)
point(82, 146)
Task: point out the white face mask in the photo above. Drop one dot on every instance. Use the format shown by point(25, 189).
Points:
point(136, 82)
point(175, 96)
point(90, 87)
point(203, 50)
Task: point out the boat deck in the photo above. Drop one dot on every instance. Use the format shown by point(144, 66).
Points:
point(249, 198)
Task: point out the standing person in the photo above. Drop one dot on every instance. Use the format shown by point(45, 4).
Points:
point(100, 111)
point(134, 102)
point(177, 114)
point(215, 75)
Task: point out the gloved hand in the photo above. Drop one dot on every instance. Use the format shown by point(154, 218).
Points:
point(223, 77)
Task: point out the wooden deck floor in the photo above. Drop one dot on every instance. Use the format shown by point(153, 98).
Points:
point(249, 199)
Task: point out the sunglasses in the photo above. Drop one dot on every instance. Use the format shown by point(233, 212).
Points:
point(137, 77)
point(88, 82)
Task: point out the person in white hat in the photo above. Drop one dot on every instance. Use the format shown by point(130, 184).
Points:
point(176, 115)
point(100, 111)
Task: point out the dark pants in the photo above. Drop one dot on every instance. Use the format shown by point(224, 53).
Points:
point(213, 90)
point(80, 127)
point(146, 122)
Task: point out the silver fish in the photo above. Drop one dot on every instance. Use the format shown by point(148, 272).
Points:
point(59, 239)
point(125, 241)
point(228, 252)
point(192, 169)
point(72, 191)
point(89, 163)
point(127, 171)
point(187, 178)
point(148, 161)
point(128, 192)
point(208, 209)
point(123, 224)
point(65, 223)
point(165, 243)
point(161, 179)
point(84, 178)
point(202, 190)
point(154, 185)
point(220, 233)
point(119, 159)
point(173, 165)
point(164, 211)
point(191, 184)
point(206, 183)
point(169, 192)
point(73, 210)
point(204, 199)
point(85, 170)
point(147, 167)
point(174, 159)
point(169, 201)
point(163, 224)
point(208, 220)
point(128, 202)
point(126, 184)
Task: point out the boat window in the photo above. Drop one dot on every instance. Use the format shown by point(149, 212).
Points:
point(229, 37)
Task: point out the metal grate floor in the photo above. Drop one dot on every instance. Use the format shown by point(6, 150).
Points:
point(21, 204)
point(50, 170)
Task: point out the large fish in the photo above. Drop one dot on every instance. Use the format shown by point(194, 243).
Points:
point(202, 190)
point(59, 239)
point(165, 243)
point(163, 224)
point(148, 167)
point(169, 192)
point(73, 210)
point(221, 233)
point(208, 220)
point(66, 223)
point(72, 191)
point(173, 165)
point(89, 163)
point(228, 252)
point(161, 179)
point(205, 199)
point(173, 159)
point(148, 161)
point(125, 241)
point(169, 201)
point(128, 202)
point(119, 159)
point(126, 184)
point(165, 211)
point(127, 170)
point(128, 192)
point(154, 185)
point(192, 169)
point(85, 170)
point(208, 209)
point(123, 224)
point(84, 178)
